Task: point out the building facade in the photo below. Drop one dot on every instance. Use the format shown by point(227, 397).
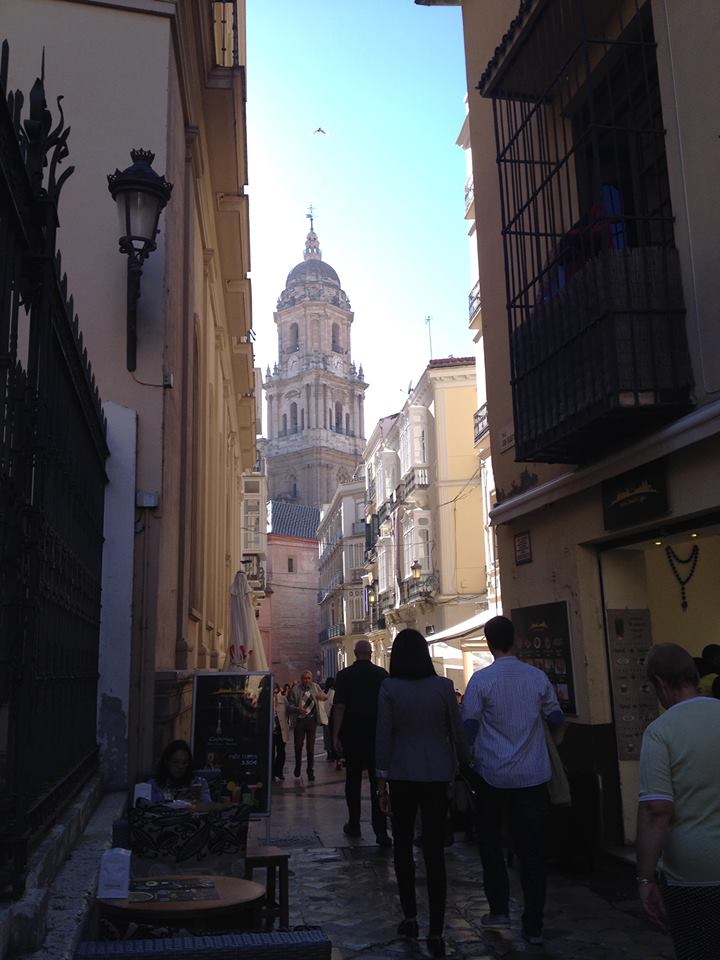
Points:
point(182, 425)
point(315, 393)
point(599, 303)
point(426, 552)
point(342, 595)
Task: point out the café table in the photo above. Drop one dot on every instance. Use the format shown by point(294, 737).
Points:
point(158, 900)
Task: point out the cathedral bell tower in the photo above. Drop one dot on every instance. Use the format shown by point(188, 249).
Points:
point(315, 393)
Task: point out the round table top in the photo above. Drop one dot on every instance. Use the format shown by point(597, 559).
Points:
point(232, 892)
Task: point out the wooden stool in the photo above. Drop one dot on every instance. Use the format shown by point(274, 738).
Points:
point(273, 861)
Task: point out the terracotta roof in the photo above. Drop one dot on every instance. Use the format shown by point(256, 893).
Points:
point(452, 362)
point(507, 39)
point(293, 519)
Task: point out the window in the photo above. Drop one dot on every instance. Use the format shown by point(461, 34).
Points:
point(291, 565)
point(293, 338)
point(338, 417)
point(293, 418)
point(251, 524)
point(336, 338)
point(283, 432)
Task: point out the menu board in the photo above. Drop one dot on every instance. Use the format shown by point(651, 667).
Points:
point(232, 733)
point(634, 700)
point(542, 634)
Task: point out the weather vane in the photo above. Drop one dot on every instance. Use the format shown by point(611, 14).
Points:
point(311, 216)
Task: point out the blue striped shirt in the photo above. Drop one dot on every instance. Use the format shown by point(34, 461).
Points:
point(509, 700)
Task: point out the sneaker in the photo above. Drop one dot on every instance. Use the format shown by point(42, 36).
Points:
point(383, 840)
point(495, 921)
point(408, 928)
point(351, 831)
point(536, 939)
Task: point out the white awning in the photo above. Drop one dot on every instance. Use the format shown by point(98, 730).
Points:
point(466, 630)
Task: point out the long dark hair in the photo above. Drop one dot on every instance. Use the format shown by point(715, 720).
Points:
point(410, 657)
point(162, 773)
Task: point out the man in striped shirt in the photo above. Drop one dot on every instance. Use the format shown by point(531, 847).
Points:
point(504, 708)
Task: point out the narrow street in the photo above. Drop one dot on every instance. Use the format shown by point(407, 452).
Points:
point(348, 888)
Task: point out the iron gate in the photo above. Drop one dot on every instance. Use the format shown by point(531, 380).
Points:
point(52, 479)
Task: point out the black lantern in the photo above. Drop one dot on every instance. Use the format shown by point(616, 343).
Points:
point(416, 569)
point(140, 195)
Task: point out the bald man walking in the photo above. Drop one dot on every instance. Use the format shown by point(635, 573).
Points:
point(357, 688)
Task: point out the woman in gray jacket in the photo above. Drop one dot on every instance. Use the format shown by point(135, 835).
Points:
point(419, 742)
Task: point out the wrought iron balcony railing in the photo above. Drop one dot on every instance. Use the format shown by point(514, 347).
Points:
point(417, 478)
point(469, 194)
point(474, 302)
point(481, 425)
point(603, 360)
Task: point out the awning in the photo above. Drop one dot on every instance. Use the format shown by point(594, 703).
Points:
point(466, 630)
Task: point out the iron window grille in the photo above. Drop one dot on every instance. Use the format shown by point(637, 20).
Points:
point(594, 296)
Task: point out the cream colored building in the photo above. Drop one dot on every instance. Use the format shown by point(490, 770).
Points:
point(169, 77)
point(597, 251)
point(343, 605)
point(424, 509)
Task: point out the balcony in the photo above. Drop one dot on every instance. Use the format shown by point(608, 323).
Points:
point(416, 479)
point(469, 195)
point(603, 360)
point(371, 491)
point(399, 494)
point(358, 528)
point(474, 302)
point(386, 600)
point(329, 633)
point(361, 626)
point(481, 426)
point(356, 574)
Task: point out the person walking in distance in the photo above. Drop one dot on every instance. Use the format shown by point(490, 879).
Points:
point(280, 734)
point(679, 808)
point(304, 706)
point(354, 721)
point(503, 709)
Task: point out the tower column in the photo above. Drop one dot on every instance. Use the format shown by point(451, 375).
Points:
point(271, 433)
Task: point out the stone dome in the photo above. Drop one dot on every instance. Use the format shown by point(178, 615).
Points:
point(312, 271)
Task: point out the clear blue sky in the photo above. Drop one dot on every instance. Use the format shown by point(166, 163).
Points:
point(386, 80)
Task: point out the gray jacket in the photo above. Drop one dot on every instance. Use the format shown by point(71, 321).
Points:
point(419, 733)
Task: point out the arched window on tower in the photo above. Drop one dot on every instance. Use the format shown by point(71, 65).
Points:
point(347, 424)
point(338, 417)
point(293, 338)
point(336, 338)
point(284, 426)
point(292, 486)
point(293, 417)
point(302, 419)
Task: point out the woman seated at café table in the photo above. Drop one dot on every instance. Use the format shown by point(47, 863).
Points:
point(174, 778)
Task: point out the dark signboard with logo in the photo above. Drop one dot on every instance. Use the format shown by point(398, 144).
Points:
point(542, 635)
point(232, 733)
point(636, 496)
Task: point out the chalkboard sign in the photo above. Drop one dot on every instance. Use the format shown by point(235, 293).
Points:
point(542, 634)
point(232, 733)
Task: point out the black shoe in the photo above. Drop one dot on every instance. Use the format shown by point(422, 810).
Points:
point(296, 773)
point(408, 928)
point(351, 831)
point(436, 945)
point(383, 840)
point(311, 775)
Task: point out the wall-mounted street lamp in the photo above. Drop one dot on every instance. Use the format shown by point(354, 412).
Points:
point(140, 195)
point(371, 595)
point(416, 569)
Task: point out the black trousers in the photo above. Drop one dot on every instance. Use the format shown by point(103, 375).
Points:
point(278, 764)
point(355, 763)
point(304, 732)
point(526, 808)
point(432, 799)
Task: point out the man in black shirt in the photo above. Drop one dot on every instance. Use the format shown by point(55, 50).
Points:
point(354, 718)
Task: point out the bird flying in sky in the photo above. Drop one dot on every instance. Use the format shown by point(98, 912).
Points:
point(320, 130)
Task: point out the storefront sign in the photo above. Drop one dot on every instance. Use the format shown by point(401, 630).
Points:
point(232, 732)
point(636, 496)
point(634, 701)
point(543, 640)
point(523, 548)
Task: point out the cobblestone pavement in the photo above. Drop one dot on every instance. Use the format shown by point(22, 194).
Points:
point(348, 888)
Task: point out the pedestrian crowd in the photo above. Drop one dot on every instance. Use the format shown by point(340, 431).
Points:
point(421, 742)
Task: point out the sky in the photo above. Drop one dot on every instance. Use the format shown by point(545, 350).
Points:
point(386, 80)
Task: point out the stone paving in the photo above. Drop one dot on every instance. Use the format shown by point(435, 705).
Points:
point(348, 888)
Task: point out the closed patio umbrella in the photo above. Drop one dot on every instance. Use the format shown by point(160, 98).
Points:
point(246, 650)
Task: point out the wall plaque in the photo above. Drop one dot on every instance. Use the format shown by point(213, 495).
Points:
point(543, 640)
point(634, 702)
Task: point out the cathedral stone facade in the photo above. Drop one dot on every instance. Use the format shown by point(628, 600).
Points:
point(315, 393)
